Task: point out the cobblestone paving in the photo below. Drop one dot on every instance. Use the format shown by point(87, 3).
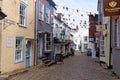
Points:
point(78, 67)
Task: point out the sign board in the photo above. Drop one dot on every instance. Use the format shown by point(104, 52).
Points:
point(9, 21)
point(97, 34)
point(91, 39)
point(9, 42)
point(100, 28)
point(111, 7)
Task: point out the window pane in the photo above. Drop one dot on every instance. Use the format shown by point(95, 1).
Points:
point(18, 55)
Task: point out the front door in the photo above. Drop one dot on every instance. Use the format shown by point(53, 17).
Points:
point(28, 50)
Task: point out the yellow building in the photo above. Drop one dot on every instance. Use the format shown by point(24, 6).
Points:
point(17, 35)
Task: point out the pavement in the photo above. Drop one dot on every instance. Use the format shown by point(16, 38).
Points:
point(77, 67)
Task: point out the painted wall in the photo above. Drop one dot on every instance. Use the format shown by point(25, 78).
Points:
point(45, 26)
point(13, 30)
point(116, 52)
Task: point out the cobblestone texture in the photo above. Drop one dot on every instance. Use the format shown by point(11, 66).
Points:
point(78, 67)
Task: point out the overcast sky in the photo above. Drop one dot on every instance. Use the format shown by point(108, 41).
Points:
point(83, 6)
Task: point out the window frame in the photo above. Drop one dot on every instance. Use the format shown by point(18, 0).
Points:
point(48, 42)
point(47, 15)
point(22, 50)
point(23, 22)
point(41, 10)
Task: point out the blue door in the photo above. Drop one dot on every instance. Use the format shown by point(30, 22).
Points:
point(28, 49)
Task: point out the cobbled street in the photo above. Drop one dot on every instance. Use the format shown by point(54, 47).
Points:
point(77, 67)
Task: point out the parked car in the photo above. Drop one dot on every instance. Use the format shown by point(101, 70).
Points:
point(89, 52)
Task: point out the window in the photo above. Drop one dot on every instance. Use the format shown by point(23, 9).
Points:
point(47, 42)
point(19, 49)
point(117, 33)
point(85, 46)
point(47, 15)
point(22, 14)
point(41, 11)
point(52, 19)
point(85, 38)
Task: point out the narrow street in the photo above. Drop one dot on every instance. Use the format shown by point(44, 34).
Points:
point(78, 67)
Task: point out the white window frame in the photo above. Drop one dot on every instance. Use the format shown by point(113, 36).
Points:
point(41, 10)
point(23, 14)
point(48, 42)
point(52, 19)
point(48, 16)
point(19, 47)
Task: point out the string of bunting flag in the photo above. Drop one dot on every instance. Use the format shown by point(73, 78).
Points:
point(71, 21)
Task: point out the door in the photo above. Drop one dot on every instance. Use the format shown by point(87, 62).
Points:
point(40, 45)
point(28, 50)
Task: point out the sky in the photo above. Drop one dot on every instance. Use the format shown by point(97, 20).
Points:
point(84, 7)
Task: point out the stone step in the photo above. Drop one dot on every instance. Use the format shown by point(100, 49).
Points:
point(46, 61)
point(43, 59)
point(49, 64)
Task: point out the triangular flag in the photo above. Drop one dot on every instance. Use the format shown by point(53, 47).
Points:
point(77, 10)
point(62, 14)
point(67, 8)
point(50, 4)
point(63, 7)
point(69, 15)
point(81, 14)
point(41, 22)
point(69, 19)
point(43, 1)
point(73, 19)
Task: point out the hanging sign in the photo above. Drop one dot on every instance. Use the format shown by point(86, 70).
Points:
point(100, 28)
point(111, 7)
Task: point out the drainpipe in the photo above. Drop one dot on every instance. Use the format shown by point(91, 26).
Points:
point(110, 64)
point(35, 35)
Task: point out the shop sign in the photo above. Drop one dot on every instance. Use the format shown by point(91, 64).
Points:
point(111, 7)
point(100, 28)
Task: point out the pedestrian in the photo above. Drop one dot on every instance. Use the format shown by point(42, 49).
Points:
point(97, 52)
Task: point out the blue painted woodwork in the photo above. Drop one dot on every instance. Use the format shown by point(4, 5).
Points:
point(28, 49)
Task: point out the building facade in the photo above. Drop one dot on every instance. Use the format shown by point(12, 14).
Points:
point(44, 42)
point(17, 35)
point(116, 44)
point(61, 33)
point(105, 36)
point(93, 21)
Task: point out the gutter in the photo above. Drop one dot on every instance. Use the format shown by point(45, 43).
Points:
point(35, 34)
